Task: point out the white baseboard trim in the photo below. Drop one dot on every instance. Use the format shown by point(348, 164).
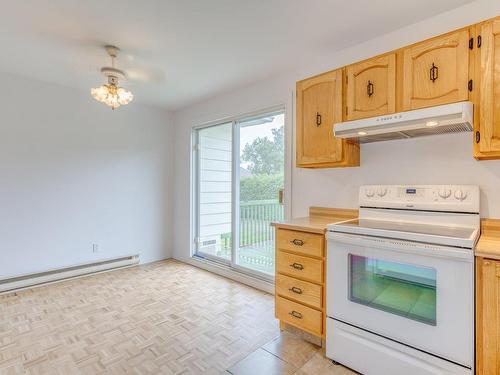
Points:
point(225, 271)
point(18, 283)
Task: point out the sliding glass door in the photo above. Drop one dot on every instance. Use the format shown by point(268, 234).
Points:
point(239, 181)
point(261, 167)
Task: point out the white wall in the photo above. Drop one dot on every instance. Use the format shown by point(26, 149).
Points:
point(440, 159)
point(73, 173)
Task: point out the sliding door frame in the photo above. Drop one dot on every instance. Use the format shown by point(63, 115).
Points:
point(235, 188)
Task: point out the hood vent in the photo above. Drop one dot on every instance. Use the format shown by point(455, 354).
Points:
point(449, 118)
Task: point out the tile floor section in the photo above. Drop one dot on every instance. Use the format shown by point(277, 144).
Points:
point(287, 355)
point(160, 318)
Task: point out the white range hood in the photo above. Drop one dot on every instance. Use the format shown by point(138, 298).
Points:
point(449, 118)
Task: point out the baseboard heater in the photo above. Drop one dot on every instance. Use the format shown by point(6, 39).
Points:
point(15, 283)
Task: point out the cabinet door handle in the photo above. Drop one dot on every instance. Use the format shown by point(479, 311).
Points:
point(369, 88)
point(297, 242)
point(433, 73)
point(295, 290)
point(297, 266)
point(296, 314)
point(318, 119)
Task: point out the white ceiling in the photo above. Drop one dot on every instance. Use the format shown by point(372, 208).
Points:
point(182, 51)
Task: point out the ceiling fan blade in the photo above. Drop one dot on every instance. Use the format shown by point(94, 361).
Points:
point(145, 74)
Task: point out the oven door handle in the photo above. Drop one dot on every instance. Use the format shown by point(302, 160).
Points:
point(401, 246)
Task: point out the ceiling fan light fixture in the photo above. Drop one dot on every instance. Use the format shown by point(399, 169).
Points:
point(112, 94)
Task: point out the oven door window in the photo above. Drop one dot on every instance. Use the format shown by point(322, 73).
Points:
point(403, 289)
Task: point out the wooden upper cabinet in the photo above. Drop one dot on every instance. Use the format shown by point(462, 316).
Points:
point(436, 71)
point(487, 316)
point(319, 106)
point(488, 138)
point(371, 87)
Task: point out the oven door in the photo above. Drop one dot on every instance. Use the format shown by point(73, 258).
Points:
point(417, 294)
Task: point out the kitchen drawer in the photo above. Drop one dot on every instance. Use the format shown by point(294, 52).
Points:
point(300, 242)
point(299, 266)
point(301, 291)
point(300, 316)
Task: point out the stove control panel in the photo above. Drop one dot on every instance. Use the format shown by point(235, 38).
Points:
point(452, 198)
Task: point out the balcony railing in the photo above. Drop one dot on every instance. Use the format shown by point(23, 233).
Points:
point(255, 220)
point(256, 249)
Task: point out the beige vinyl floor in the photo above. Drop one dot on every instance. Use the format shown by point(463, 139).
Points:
point(161, 318)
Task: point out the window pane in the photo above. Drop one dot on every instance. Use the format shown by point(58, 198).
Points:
point(401, 289)
point(215, 190)
point(261, 177)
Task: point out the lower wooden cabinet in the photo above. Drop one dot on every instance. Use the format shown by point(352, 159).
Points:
point(304, 292)
point(310, 244)
point(487, 316)
point(299, 266)
point(300, 280)
point(300, 316)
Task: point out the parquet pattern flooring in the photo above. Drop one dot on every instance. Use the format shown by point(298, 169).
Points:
point(161, 318)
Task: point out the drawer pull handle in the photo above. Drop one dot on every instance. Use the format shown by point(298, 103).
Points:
point(369, 89)
point(318, 119)
point(295, 290)
point(433, 73)
point(296, 314)
point(297, 242)
point(297, 266)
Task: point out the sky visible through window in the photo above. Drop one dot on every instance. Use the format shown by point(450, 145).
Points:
point(250, 133)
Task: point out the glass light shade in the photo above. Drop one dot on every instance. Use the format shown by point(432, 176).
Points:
point(111, 95)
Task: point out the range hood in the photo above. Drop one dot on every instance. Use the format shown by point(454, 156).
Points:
point(448, 118)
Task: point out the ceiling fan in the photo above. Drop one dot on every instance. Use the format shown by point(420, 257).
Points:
point(111, 93)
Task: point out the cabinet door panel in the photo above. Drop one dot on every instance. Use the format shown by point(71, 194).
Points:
point(319, 106)
point(489, 118)
point(488, 317)
point(436, 71)
point(371, 87)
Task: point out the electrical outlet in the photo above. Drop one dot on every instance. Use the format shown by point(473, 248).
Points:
point(95, 248)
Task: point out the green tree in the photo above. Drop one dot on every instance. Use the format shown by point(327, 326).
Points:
point(258, 187)
point(265, 156)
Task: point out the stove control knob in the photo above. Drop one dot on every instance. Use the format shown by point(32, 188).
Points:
point(381, 192)
point(445, 193)
point(369, 193)
point(460, 195)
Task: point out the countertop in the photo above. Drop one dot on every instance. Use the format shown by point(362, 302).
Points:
point(318, 219)
point(488, 245)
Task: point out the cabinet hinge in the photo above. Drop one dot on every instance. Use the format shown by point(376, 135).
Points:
point(478, 136)
point(470, 85)
point(346, 79)
point(471, 43)
point(346, 110)
point(479, 41)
